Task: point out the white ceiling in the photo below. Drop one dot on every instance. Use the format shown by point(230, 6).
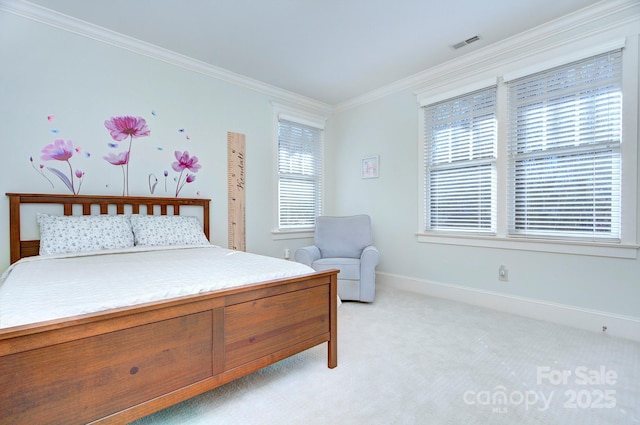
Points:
point(327, 50)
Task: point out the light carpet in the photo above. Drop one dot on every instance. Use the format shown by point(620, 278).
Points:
point(413, 359)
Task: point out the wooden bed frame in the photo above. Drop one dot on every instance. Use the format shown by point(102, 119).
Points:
point(119, 365)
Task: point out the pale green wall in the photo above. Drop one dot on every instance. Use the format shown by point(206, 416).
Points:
point(45, 71)
point(388, 126)
point(83, 82)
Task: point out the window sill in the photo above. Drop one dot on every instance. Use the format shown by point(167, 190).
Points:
point(292, 234)
point(597, 249)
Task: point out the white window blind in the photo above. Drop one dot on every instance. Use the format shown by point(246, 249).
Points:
point(564, 150)
point(460, 163)
point(299, 175)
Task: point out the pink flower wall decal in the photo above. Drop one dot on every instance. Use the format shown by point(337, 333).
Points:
point(185, 162)
point(80, 176)
point(122, 128)
point(153, 182)
point(61, 150)
point(39, 171)
point(121, 159)
point(127, 126)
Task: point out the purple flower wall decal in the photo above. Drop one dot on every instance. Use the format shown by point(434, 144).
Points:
point(185, 162)
point(122, 128)
point(61, 150)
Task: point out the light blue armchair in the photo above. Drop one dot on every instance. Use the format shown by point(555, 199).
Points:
point(344, 243)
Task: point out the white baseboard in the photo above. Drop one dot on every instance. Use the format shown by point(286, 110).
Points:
point(582, 318)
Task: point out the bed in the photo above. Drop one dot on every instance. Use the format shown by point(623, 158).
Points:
point(121, 363)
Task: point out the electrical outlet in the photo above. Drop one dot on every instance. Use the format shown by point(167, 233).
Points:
point(503, 274)
point(287, 253)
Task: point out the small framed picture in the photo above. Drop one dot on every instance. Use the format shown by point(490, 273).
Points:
point(370, 167)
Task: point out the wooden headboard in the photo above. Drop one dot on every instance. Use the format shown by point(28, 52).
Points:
point(27, 248)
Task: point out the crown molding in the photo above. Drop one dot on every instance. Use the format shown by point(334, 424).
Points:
point(76, 26)
point(603, 16)
point(600, 17)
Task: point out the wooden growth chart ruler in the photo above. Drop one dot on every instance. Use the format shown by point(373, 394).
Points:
point(236, 186)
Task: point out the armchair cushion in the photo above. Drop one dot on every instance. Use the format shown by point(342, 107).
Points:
point(342, 236)
point(349, 267)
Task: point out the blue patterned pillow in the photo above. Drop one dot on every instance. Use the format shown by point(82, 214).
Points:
point(166, 230)
point(65, 234)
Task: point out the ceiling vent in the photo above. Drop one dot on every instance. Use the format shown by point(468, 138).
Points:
point(465, 42)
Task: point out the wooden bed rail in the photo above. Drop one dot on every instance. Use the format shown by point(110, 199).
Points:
point(20, 248)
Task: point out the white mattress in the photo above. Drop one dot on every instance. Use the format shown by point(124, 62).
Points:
point(41, 288)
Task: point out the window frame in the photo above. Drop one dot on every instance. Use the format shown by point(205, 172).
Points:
point(541, 105)
point(445, 160)
point(628, 246)
point(305, 118)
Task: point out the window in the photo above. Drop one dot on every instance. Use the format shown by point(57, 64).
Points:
point(460, 139)
point(539, 159)
point(299, 175)
point(564, 151)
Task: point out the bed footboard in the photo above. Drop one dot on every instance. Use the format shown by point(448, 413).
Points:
point(118, 366)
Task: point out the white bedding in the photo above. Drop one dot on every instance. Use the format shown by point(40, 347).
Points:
point(41, 288)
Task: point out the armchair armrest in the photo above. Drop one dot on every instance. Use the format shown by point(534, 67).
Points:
point(368, 262)
point(369, 257)
point(307, 255)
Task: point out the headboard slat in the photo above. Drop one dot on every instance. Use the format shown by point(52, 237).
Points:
point(14, 229)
